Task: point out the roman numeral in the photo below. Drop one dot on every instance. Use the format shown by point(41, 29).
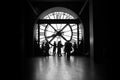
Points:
point(57, 15)
point(73, 40)
point(41, 33)
point(60, 15)
point(74, 33)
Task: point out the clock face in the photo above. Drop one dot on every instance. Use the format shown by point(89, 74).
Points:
point(58, 32)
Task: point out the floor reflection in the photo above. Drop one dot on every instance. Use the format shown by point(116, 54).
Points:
point(62, 68)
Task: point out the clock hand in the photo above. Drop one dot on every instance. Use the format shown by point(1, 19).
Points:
point(51, 36)
point(53, 27)
point(64, 38)
point(63, 27)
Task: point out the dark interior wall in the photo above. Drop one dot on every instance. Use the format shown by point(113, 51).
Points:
point(84, 16)
point(102, 33)
point(29, 19)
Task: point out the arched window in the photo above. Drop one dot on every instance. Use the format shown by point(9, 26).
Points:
point(58, 32)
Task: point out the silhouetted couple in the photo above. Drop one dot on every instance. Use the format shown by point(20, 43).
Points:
point(75, 49)
point(45, 49)
point(58, 47)
point(68, 48)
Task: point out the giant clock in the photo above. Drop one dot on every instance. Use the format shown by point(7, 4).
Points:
point(58, 32)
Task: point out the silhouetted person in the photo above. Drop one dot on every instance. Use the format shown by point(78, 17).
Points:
point(36, 47)
point(47, 47)
point(68, 47)
point(54, 48)
point(75, 48)
point(81, 48)
point(43, 49)
point(65, 48)
point(39, 54)
point(59, 48)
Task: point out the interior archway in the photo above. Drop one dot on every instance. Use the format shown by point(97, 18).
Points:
point(67, 32)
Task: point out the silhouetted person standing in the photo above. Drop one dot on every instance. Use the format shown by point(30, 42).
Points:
point(42, 49)
point(68, 47)
point(47, 47)
point(75, 48)
point(81, 48)
point(36, 48)
point(59, 48)
point(65, 48)
point(54, 48)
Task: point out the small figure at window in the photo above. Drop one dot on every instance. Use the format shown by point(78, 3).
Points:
point(54, 48)
point(59, 48)
point(75, 48)
point(43, 48)
point(47, 47)
point(68, 48)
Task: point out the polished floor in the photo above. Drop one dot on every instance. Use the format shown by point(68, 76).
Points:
point(66, 68)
